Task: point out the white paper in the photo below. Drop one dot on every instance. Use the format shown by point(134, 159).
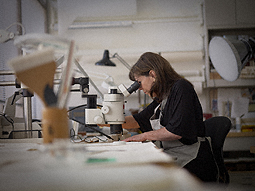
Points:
point(239, 107)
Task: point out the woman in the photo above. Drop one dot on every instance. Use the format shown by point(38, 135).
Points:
point(174, 117)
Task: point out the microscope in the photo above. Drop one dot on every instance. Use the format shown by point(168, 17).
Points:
point(112, 109)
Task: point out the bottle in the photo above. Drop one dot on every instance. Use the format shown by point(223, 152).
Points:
point(238, 124)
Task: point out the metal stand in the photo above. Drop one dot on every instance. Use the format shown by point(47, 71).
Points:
point(27, 110)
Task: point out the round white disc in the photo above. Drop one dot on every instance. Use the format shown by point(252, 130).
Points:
point(225, 58)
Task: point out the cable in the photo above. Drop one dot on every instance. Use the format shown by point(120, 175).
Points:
point(85, 124)
point(101, 139)
point(91, 128)
point(72, 133)
point(79, 106)
point(10, 120)
point(16, 23)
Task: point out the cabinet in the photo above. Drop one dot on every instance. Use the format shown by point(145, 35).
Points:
point(229, 13)
point(222, 18)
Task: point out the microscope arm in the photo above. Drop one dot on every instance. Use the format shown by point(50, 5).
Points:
point(10, 104)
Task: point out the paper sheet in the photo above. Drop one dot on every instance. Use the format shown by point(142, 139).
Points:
point(128, 153)
point(239, 107)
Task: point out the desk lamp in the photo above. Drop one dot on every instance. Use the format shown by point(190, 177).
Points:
point(105, 60)
point(230, 56)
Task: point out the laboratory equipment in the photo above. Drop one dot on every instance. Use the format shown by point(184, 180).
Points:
point(112, 111)
point(229, 56)
point(12, 126)
point(105, 61)
point(6, 35)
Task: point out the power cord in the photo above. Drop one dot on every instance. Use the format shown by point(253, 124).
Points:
point(10, 120)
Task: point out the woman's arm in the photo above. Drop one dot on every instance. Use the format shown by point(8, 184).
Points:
point(158, 135)
point(130, 123)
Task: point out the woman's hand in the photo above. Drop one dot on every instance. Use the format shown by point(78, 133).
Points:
point(137, 138)
point(159, 135)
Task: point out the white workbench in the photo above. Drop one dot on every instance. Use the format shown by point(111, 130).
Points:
point(25, 165)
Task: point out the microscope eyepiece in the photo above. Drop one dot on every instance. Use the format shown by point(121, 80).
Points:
point(128, 91)
point(133, 87)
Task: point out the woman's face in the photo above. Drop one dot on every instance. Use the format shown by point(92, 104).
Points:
point(146, 83)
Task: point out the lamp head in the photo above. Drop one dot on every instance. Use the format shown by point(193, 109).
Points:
point(230, 56)
point(105, 60)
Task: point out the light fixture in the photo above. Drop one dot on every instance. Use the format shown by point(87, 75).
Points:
point(100, 24)
point(6, 35)
point(105, 60)
point(229, 56)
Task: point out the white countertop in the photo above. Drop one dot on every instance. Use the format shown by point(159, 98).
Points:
point(26, 164)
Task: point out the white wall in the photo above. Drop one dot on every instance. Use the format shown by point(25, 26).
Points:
point(157, 25)
point(172, 27)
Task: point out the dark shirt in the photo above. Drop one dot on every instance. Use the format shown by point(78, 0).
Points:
point(182, 114)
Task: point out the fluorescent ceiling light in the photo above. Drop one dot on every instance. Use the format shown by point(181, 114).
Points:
point(100, 24)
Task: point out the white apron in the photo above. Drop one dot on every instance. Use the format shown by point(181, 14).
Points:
point(181, 152)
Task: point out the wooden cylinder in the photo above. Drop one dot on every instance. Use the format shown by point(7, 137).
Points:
point(54, 124)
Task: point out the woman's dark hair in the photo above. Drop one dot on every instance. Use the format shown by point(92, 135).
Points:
point(166, 76)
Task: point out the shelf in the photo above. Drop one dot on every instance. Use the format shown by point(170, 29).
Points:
point(241, 134)
point(220, 83)
point(252, 149)
point(232, 29)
